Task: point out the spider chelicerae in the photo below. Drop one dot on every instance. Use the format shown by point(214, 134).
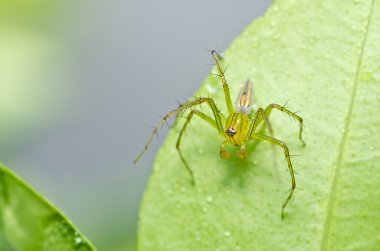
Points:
point(237, 128)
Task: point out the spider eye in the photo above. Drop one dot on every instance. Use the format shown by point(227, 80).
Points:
point(230, 132)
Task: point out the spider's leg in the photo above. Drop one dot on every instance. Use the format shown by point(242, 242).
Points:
point(290, 167)
point(283, 109)
point(216, 57)
point(242, 153)
point(224, 154)
point(259, 116)
point(182, 108)
point(205, 118)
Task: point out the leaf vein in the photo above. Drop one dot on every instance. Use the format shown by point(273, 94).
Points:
point(333, 192)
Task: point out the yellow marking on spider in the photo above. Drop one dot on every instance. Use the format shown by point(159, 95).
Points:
point(238, 128)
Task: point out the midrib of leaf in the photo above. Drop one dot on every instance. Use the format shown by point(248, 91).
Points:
point(333, 193)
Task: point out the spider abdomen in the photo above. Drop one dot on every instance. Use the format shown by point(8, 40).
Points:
point(237, 126)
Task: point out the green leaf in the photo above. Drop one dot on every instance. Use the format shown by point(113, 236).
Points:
point(324, 57)
point(31, 56)
point(28, 222)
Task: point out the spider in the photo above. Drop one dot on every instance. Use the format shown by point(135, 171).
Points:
point(237, 129)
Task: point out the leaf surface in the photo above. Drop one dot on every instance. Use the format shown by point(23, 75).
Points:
point(28, 222)
point(324, 57)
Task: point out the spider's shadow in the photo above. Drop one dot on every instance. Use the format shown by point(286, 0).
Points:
point(237, 170)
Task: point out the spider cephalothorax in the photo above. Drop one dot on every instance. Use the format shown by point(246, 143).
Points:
point(237, 129)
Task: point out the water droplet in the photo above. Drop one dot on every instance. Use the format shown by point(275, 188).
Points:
point(204, 210)
point(237, 247)
point(227, 234)
point(209, 199)
point(372, 148)
point(200, 150)
point(356, 1)
point(78, 240)
point(198, 238)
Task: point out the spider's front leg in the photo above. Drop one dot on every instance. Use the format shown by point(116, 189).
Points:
point(260, 115)
point(290, 167)
point(283, 109)
point(182, 108)
point(216, 57)
point(189, 117)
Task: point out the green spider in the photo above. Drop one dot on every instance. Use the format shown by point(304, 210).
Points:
point(237, 129)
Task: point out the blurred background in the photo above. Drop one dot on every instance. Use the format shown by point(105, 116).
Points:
point(81, 84)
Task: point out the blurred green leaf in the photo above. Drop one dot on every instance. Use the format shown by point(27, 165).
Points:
point(27, 13)
point(28, 222)
point(324, 57)
point(31, 59)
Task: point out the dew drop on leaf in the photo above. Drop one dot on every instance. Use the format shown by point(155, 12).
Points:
point(209, 199)
point(78, 240)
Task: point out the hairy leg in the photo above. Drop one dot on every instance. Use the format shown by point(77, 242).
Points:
point(259, 116)
point(283, 109)
point(287, 157)
point(189, 117)
point(183, 107)
point(216, 57)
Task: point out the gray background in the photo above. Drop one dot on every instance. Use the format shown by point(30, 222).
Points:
point(127, 63)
